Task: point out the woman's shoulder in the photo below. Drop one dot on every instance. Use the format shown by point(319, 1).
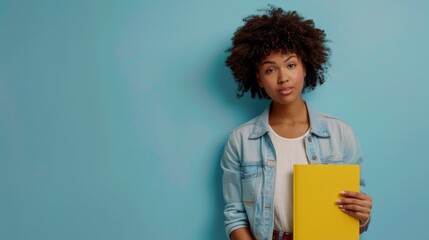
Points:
point(333, 119)
point(326, 122)
point(322, 116)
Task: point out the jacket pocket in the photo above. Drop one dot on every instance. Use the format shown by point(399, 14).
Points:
point(250, 183)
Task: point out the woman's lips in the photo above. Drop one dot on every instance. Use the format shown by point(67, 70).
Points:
point(286, 90)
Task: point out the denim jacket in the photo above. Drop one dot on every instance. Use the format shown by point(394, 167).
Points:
point(249, 167)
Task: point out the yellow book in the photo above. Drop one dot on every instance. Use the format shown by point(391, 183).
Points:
point(316, 216)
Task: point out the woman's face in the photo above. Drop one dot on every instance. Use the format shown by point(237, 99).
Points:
point(282, 77)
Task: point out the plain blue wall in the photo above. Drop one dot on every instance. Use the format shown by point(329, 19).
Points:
point(113, 114)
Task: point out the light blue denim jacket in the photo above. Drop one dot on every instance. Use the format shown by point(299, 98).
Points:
point(249, 167)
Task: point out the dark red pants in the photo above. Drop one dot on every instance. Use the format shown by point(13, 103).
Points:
point(282, 236)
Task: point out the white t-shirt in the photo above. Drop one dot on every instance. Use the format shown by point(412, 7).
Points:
point(289, 151)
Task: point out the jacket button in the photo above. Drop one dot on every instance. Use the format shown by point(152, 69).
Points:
point(309, 139)
point(314, 157)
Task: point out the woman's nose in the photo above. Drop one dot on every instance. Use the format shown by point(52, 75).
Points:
point(282, 77)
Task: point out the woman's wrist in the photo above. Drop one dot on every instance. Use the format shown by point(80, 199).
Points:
point(365, 223)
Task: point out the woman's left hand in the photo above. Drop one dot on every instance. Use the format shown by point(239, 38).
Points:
point(356, 204)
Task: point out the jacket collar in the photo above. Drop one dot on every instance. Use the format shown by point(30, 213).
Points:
point(318, 124)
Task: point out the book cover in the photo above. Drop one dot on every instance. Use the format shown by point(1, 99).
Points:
point(316, 216)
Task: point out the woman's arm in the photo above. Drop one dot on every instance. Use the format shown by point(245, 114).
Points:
point(235, 214)
point(241, 234)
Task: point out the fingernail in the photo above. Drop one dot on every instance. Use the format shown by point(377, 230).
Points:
point(343, 193)
point(338, 201)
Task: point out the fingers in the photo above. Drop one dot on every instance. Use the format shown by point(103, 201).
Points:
point(354, 207)
point(358, 215)
point(357, 195)
point(356, 198)
point(367, 204)
point(356, 204)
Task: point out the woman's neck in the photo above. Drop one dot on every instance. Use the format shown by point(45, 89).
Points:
point(289, 121)
point(290, 113)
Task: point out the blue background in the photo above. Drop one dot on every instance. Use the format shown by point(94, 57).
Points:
point(113, 114)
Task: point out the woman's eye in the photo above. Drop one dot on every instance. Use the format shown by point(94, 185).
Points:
point(292, 65)
point(269, 70)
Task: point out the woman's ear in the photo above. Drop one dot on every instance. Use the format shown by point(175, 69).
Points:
point(259, 80)
point(305, 70)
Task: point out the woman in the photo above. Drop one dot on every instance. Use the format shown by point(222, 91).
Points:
point(278, 55)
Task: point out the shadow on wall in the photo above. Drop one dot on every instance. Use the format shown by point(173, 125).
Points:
point(241, 110)
point(225, 87)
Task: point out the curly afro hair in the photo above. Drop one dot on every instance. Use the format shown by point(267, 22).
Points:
point(276, 31)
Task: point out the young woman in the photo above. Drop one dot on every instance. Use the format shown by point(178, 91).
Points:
point(278, 55)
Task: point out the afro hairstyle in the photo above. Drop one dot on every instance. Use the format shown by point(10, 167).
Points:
point(282, 31)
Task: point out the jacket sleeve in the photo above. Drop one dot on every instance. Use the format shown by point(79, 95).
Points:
point(235, 214)
point(353, 155)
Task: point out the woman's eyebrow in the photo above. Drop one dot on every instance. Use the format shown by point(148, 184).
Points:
point(268, 62)
point(272, 62)
point(291, 56)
